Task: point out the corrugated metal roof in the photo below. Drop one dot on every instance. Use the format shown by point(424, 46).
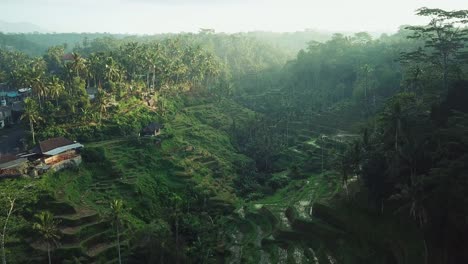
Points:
point(63, 149)
point(25, 90)
point(13, 163)
point(50, 144)
point(4, 158)
point(9, 94)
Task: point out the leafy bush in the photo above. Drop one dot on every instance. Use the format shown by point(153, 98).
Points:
point(52, 131)
point(94, 155)
point(295, 173)
point(278, 181)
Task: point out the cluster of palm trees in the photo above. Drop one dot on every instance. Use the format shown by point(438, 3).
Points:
point(158, 64)
point(168, 64)
point(59, 81)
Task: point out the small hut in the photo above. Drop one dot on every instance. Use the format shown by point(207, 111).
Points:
point(56, 153)
point(152, 130)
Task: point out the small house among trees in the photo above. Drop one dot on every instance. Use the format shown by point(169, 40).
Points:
point(12, 166)
point(9, 161)
point(53, 154)
point(56, 153)
point(153, 129)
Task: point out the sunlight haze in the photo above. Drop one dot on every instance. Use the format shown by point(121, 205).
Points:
point(234, 131)
point(159, 16)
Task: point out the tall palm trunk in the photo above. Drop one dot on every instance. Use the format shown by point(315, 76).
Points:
point(177, 239)
point(12, 205)
point(396, 134)
point(39, 99)
point(445, 70)
point(161, 258)
point(100, 118)
point(321, 147)
point(48, 253)
point(154, 77)
point(118, 244)
point(31, 127)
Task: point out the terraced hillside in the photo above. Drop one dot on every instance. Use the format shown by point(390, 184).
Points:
point(190, 158)
point(310, 220)
point(195, 161)
point(306, 223)
point(315, 220)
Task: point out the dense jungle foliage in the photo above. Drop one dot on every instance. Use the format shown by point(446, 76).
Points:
point(352, 151)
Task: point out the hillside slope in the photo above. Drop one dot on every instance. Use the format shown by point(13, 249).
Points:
point(188, 170)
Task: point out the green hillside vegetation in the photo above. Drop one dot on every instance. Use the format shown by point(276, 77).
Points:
point(36, 44)
point(353, 151)
point(192, 170)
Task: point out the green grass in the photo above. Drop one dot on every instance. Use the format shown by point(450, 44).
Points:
point(324, 187)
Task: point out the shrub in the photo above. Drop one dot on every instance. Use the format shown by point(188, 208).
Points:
point(94, 155)
point(278, 182)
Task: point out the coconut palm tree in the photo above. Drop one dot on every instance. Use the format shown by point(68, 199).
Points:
point(68, 75)
point(35, 77)
point(11, 201)
point(48, 230)
point(55, 88)
point(102, 101)
point(78, 65)
point(116, 207)
point(38, 87)
point(31, 112)
point(112, 72)
point(176, 213)
point(129, 59)
point(96, 67)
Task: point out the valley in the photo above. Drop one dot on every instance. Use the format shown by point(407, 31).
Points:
point(255, 147)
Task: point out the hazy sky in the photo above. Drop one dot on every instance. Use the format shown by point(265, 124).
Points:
point(156, 16)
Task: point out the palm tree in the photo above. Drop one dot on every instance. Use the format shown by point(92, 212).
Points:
point(31, 111)
point(116, 207)
point(112, 73)
point(68, 75)
point(18, 78)
point(36, 77)
point(48, 230)
point(86, 114)
point(78, 65)
point(130, 59)
point(38, 87)
point(177, 201)
point(55, 87)
point(393, 117)
point(3, 234)
point(96, 67)
point(102, 101)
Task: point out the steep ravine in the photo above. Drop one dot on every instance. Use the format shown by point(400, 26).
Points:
point(314, 220)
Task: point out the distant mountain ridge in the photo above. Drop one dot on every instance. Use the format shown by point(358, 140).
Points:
point(20, 27)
